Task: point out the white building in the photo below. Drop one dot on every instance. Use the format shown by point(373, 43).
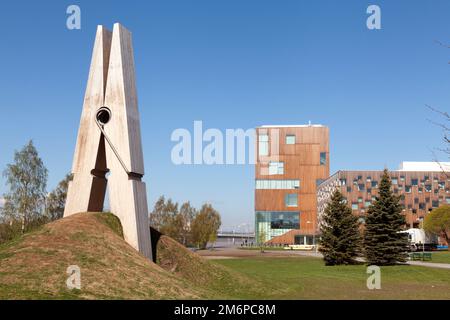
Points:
point(424, 166)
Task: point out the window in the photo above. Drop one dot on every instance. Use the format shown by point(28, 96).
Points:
point(422, 206)
point(361, 187)
point(263, 144)
point(447, 199)
point(374, 184)
point(408, 189)
point(298, 239)
point(360, 200)
point(291, 200)
point(428, 187)
point(394, 181)
point(323, 158)
point(435, 203)
point(369, 190)
point(290, 139)
point(349, 189)
point(441, 185)
point(354, 206)
point(367, 203)
point(309, 240)
point(278, 184)
point(276, 168)
point(269, 222)
point(414, 182)
point(303, 239)
point(343, 182)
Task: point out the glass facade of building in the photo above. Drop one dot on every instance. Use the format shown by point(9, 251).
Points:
point(271, 224)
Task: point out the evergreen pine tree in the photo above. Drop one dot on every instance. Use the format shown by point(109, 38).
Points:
point(383, 243)
point(340, 240)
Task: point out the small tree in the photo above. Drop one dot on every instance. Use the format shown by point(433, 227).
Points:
point(157, 214)
point(341, 240)
point(261, 240)
point(187, 215)
point(383, 242)
point(27, 180)
point(172, 224)
point(437, 222)
point(166, 219)
point(56, 200)
point(205, 225)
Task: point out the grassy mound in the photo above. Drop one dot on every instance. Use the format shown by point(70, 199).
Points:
point(34, 266)
point(223, 282)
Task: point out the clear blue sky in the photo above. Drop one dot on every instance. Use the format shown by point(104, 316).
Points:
point(232, 64)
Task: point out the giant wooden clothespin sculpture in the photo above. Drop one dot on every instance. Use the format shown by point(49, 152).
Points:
point(109, 140)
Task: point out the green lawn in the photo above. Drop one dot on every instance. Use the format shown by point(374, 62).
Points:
point(440, 257)
point(309, 278)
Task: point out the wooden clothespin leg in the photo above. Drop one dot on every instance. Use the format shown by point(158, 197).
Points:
point(109, 141)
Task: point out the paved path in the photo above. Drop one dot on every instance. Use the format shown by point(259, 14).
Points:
point(429, 264)
point(412, 263)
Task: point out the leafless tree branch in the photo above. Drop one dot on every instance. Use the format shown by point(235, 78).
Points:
point(435, 159)
point(441, 44)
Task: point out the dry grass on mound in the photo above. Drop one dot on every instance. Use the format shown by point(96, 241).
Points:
point(34, 266)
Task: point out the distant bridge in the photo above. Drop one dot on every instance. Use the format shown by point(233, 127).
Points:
point(231, 234)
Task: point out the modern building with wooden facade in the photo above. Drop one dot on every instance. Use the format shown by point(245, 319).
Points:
point(422, 186)
point(291, 162)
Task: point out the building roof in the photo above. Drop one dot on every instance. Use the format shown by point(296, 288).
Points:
point(291, 126)
point(424, 166)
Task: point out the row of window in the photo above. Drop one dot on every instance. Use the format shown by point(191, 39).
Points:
point(408, 189)
point(278, 184)
point(282, 184)
point(395, 181)
point(421, 205)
